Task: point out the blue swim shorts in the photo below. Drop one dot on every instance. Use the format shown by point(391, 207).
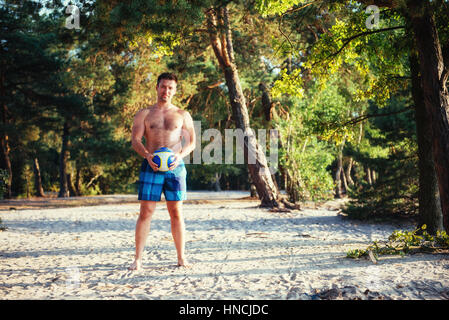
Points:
point(153, 183)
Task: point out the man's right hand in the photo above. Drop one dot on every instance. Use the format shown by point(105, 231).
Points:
point(149, 158)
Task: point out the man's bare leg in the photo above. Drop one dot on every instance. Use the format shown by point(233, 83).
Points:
point(178, 230)
point(142, 230)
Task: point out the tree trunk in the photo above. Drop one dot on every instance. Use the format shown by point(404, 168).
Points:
point(37, 179)
point(267, 105)
point(349, 180)
point(78, 182)
point(269, 111)
point(368, 175)
point(221, 41)
point(288, 179)
point(338, 172)
point(351, 160)
point(345, 182)
point(216, 183)
point(6, 151)
point(338, 191)
point(63, 158)
point(436, 98)
point(5, 141)
point(428, 195)
point(72, 191)
point(289, 64)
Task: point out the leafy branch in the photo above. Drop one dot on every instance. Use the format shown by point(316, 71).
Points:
point(348, 40)
point(358, 119)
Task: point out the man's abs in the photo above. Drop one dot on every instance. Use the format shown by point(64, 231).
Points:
point(163, 138)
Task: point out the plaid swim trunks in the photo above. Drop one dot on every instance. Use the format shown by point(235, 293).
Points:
point(153, 183)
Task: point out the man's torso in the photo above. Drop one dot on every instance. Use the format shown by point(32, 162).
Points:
point(163, 128)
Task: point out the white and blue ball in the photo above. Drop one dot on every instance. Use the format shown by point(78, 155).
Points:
point(163, 158)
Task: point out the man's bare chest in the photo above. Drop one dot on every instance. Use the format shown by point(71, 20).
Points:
point(167, 121)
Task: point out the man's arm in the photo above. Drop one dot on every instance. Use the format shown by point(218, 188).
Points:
point(136, 138)
point(137, 133)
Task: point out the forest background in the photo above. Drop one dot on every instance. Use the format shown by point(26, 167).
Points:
point(348, 85)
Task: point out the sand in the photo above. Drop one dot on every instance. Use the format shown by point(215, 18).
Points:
point(238, 251)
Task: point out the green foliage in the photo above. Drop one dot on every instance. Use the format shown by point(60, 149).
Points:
point(328, 106)
point(290, 84)
point(401, 242)
point(303, 154)
point(31, 68)
point(273, 7)
point(308, 169)
point(389, 147)
point(217, 177)
point(315, 129)
point(371, 59)
point(376, 57)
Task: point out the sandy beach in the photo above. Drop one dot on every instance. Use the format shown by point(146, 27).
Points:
point(238, 251)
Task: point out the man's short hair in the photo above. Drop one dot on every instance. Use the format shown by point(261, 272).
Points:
point(167, 76)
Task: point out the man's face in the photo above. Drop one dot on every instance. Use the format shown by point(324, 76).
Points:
point(166, 90)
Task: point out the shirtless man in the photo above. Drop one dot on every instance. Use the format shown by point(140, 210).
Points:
point(162, 125)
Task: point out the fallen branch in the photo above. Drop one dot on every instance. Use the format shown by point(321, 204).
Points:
point(404, 242)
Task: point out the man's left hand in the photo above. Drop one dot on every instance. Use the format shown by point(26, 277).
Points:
point(175, 162)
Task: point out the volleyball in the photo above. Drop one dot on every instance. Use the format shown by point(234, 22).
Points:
point(163, 158)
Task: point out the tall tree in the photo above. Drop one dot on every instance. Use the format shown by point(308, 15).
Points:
point(434, 76)
point(220, 33)
point(429, 196)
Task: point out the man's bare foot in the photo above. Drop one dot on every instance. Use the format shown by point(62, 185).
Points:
point(136, 266)
point(183, 263)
